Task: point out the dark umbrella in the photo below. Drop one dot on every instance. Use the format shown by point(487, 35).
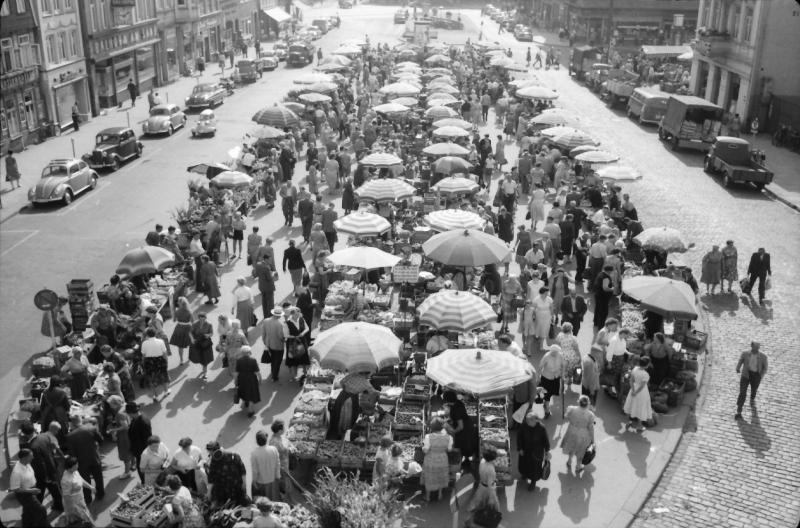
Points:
point(209, 169)
point(278, 116)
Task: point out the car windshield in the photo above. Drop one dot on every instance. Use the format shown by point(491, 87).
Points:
point(159, 111)
point(203, 88)
point(107, 138)
point(54, 170)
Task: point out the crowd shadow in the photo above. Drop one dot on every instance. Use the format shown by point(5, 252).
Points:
point(535, 502)
point(720, 303)
point(754, 435)
point(576, 493)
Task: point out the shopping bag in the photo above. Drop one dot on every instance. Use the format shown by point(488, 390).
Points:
point(744, 284)
point(546, 470)
point(768, 283)
point(589, 455)
point(519, 414)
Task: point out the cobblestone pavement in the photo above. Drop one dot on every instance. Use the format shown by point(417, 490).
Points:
point(725, 472)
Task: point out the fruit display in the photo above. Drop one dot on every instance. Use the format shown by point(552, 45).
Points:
point(140, 494)
point(351, 453)
point(378, 317)
point(407, 421)
point(307, 418)
point(375, 432)
point(495, 437)
point(306, 432)
point(154, 516)
point(295, 516)
point(305, 448)
point(409, 407)
point(370, 452)
point(418, 380)
point(312, 406)
point(127, 511)
point(632, 317)
point(410, 446)
point(493, 407)
point(328, 452)
point(493, 421)
point(320, 386)
point(472, 408)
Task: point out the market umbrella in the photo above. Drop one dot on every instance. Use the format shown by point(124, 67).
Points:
point(480, 373)
point(347, 49)
point(440, 98)
point(450, 131)
point(466, 247)
point(381, 159)
point(266, 132)
point(455, 185)
point(583, 148)
point(449, 219)
point(363, 257)
point(442, 89)
point(314, 97)
point(488, 46)
point(451, 165)
point(662, 238)
point(506, 62)
point(443, 79)
point(407, 53)
point(391, 108)
point(438, 59)
point(619, 173)
point(145, 259)
point(407, 64)
point(312, 77)
point(362, 223)
point(406, 101)
point(453, 121)
point(230, 179)
point(455, 310)
point(438, 71)
point(277, 116)
point(570, 139)
point(445, 149)
point(538, 39)
point(496, 53)
point(411, 81)
point(671, 298)
point(536, 92)
point(440, 112)
point(339, 60)
point(597, 156)
point(385, 190)
point(556, 130)
point(332, 66)
point(208, 169)
point(324, 87)
point(554, 119)
point(522, 83)
point(356, 347)
point(686, 56)
point(297, 108)
point(399, 88)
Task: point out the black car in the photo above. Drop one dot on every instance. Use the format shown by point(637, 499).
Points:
point(400, 16)
point(112, 147)
point(345, 4)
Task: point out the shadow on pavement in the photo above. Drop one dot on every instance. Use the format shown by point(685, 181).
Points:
point(534, 502)
point(576, 493)
point(762, 313)
point(718, 304)
point(638, 451)
point(753, 434)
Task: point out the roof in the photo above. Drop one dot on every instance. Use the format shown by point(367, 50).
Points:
point(164, 105)
point(278, 15)
point(691, 100)
point(649, 92)
point(112, 130)
point(62, 161)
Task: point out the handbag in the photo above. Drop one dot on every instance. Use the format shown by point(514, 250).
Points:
point(519, 414)
point(253, 319)
point(589, 455)
point(551, 334)
point(744, 284)
point(768, 283)
point(487, 517)
point(546, 470)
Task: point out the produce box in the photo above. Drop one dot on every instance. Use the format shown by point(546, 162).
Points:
point(495, 437)
point(352, 455)
point(375, 432)
point(305, 449)
point(493, 421)
point(382, 301)
point(695, 339)
point(127, 515)
point(313, 406)
point(328, 452)
point(674, 389)
point(140, 495)
point(412, 449)
point(413, 391)
point(410, 407)
point(308, 419)
point(322, 386)
point(407, 422)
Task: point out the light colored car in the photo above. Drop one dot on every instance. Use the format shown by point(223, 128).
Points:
point(282, 49)
point(269, 59)
point(206, 95)
point(62, 180)
point(164, 119)
point(206, 124)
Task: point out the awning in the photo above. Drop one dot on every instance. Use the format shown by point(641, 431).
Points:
point(278, 15)
point(665, 51)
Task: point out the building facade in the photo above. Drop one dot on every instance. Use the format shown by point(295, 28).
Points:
point(199, 26)
point(64, 79)
point(168, 48)
point(120, 41)
point(746, 56)
point(22, 107)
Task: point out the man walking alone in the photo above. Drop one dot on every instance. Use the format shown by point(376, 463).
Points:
point(752, 366)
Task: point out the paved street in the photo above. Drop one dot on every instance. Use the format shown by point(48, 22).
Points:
point(724, 473)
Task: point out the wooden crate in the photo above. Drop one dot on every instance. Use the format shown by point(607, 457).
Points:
point(695, 339)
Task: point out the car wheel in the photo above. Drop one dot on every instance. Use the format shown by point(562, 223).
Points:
point(170, 130)
point(760, 186)
point(67, 197)
point(114, 164)
point(138, 152)
point(674, 143)
point(93, 183)
point(707, 167)
point(727, 181)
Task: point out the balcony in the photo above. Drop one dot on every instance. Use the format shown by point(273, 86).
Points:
point(723, 48)
point(19, 77)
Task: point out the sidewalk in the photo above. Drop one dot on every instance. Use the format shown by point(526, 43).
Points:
point(784, 163)
point(31, 161)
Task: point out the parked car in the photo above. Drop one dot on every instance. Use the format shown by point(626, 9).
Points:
point(581, 60)
point(523, 34)
point(164, 119)
point(269, 59)
point(310, 32)
point(112, 147)
point(647, 106)
point(300, 54)
point(447, 23)
point(282, 49)
point(345, 4)
point(733, 158)
point(62, 180)
point(400, 16)
point(321, 24)
point(247, 70)
point(205, 95)
point(690, 122)
point(206, 124)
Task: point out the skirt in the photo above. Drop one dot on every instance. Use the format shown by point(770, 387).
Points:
point(296, 361)
point(123, 446)
point(238, 234)
point(155, 370)
point(551, 386)
point(244, 313)
point(247, 388)
point(181, 337)
point(200, 352)
point(576, 441)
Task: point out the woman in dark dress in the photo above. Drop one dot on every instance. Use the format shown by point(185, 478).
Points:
point(533, 446)
point(183, 322)
point(305, 303)
point(505, 225)
point(348, 196)
point(248, 376)
point(55, 405)
point(122, 369)
point(465, 436)
point(201, 350)
point(209, 277)
point(297, 342)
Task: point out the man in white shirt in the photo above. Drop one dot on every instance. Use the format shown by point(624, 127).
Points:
point(23, 483)
point(511, 346)
point(152, 349)
point(615, 355)
point(265, 466)
point(535, 255)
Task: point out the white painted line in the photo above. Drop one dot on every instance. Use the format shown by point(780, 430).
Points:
point(19, 243)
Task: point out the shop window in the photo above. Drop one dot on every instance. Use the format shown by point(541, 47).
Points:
point(52, 53)
point(748, 24)
point(35, 57)
point(62, 45)
point(30, 110)
point(12, 117)
point(4, 11)
point(67, 5)
point(73, 43)
point(8, 60)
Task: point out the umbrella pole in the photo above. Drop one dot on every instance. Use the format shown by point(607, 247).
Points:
point(563, 385)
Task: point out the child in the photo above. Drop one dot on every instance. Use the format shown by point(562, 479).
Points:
point(265, 518)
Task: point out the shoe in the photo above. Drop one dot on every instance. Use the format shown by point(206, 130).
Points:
point(125, 475)
point(251, 414)
point(209, 302)
point(531, 486)
point(752, 402)
point(578, 469)
point(737, 416)
point(547, 415)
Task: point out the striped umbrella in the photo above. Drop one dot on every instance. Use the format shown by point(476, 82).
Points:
point(449, 219)
point(442, 89)
point(314, 97)
point(436, 72)
point(356, 347)
point(663, 238)
point(440, 98)
point(339, 60)
point(556, 130)
point(455, 185)
point(362, 223)
point(597, 156)
point(536, 92)
point(570, 139)
point(451, 165)
point(406, 101)
point(481, 373)
point(445, 149)
point(438, 59)
point(332, 66)
point(455, 310)
point(399, 88)
point(381, 159)
point(450, 131)
point(323, 87)
point(231, 179)
point(583, 148)
point(466, 248)
point(277, 116)
point(145, 259)
point(554, 119)
point(453, 121)
point(440, 112)
point(297, 108)
point(619, 173)
point(391, 108)
point(407, 64)
point(364, 257)
point(385, 190)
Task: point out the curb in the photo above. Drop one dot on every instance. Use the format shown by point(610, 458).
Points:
point(781, 199)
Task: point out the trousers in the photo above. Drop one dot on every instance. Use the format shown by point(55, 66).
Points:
point(753, 381)
point(89, 473)
point(275, 362)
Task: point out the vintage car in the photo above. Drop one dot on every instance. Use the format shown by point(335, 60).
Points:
point(523, 34)
point(334, 21)
point(345, 4)
point(62, 179)
point(112, 147)
point(300, 54)
point(164, 119)
point(400, 16)
point(205, 95)
point(269, 59)
point(282, 49)
point(206, 124)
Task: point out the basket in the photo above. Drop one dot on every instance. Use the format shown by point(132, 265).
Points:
point(695, 339)
point(674, 389)
point(43, 367)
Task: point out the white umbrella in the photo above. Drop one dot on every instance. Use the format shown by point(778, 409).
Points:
point(399, 88)
point(356, 347)
point(619, 173)
point(311, 78)
point(539, 39)
point(466, 247)
point(536, 92)
point(451, 165)
point(455, 310)
point(449, 219)
point(406, 101)
point(440, 112)
point(362, 223)
point(597, 156)
point(445, 149)
point(381, 159)
point(314, 97)
point(450, 131)
point(480, 373)
point(391, 108)
point(385, 190)
point(440, 98)
point(230, 179)
point(455, 185)
point(453, 121)
point(364, 257)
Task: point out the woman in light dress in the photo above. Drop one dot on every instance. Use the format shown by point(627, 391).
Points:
point(537, 205)
point(570, 351)
point(526, 327)
point(730, 263)
point(542, 316)
point(486, 495)
point(72, 484)
point(711, 272)
point(637, 404)
point(243, 303)
point(436, 467)
point(580, 432)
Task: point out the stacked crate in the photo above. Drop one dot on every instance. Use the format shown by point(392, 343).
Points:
point(81, 302)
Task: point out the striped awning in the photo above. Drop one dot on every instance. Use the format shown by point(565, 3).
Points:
point(449, 219)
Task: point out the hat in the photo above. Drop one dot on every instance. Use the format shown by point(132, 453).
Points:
point(554, 348)
point(212, 446)
point(277, 312)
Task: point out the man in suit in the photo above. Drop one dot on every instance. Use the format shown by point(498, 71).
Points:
point(752, 366)
point(83, 442)
point(44, 464)
point(266, 286)
point(305, 210)
point(139, 431)
point(573, 308)
point(759, 268)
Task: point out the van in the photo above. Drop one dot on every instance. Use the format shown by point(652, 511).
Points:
point(690, 122)
point(648, 106)
point(321, 24)
point(248, 70)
